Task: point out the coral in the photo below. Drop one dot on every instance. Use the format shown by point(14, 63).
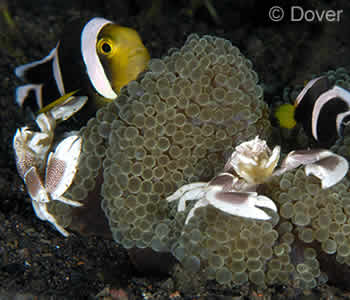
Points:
point(342, 146)
point(175, 125)
point(227, 248)
point(312, 216)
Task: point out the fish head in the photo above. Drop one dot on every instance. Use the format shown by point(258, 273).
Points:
point(122, 54)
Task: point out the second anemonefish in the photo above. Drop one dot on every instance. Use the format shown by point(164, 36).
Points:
point(323, 111)
point(95, 59)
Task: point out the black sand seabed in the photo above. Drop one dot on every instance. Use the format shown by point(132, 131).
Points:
point(35, 261)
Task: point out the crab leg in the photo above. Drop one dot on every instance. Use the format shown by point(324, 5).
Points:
point(185, 189)
point(190, 195)
point(41, 211)
point(201, 203)
point(65, 200)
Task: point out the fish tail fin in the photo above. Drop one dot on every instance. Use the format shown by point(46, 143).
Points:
point(285, 116)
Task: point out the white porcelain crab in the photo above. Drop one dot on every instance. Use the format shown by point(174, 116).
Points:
point(252, 163)
point(48, 175)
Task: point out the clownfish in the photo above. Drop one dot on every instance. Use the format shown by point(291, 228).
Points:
point(95, 59)
point(322, 109)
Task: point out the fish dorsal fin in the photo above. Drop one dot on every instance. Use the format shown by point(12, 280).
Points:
point(342, 95)
point(38, 74)
point(21, 71)
point(92, 62)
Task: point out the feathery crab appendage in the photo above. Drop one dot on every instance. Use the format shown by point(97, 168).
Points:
point(62, 165)
point(251, 164)
point(35, 186)
point(253, 161)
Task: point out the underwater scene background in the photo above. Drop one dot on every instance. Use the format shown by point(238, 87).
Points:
point(279, 48)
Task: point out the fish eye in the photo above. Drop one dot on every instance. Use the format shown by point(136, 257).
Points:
point(105, 47)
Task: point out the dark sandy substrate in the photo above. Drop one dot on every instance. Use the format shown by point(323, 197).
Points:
point(35, 261)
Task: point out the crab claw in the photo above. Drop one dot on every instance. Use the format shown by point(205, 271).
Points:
point(35, 187)
point(62, 166)
point(330, 168)
point(243, 204)
point(68, 108)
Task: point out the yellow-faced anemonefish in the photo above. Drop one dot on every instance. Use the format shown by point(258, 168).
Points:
point(323, 111)
point(95, 59)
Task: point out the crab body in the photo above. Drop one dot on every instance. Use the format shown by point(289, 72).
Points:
point(48, 175)
point(251, 164)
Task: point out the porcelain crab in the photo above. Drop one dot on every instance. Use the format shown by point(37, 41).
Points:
point(252, 163)
point(46, 175)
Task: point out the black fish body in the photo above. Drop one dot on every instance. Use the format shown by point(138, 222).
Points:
point(78, 63)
